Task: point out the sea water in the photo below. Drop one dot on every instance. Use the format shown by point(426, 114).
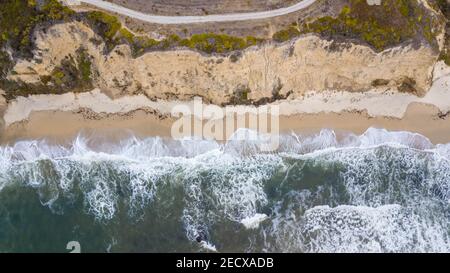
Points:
point(376, 192)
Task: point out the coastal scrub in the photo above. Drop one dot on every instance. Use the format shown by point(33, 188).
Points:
point(18, 19)
point(110, 28)
point(380, 26)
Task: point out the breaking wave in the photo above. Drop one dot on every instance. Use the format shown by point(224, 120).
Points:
point(377, 192)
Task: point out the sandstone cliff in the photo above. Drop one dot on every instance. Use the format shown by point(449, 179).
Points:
point(259, 73)
point(54, 49)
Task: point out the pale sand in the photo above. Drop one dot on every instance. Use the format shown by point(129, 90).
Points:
point(60, 126)
point(64, 116)
point(377, 103)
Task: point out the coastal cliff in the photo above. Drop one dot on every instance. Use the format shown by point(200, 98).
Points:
point(75, 55)
point(266, 72)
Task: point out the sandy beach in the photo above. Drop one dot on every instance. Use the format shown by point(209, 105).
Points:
point(62, 125)
point(61, 117)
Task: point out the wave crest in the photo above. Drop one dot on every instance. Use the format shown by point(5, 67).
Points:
point(327, 192)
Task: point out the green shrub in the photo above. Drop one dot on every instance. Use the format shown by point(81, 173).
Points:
point(127, 35)
point(286, 34)
point(18, 18)
point(106, 25)
point(218, 43)
point(84, 66)
point(382, 26)
point(206, 42)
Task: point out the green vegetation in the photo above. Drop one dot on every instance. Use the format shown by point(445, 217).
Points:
point(127, 35)
point(5, 64)
point(286, 34)
point(383, 26)
point(218, 43)
point(444, 6)
point(18, 18)
point(206, 42)
point(74, 74)
point(445, 55)
point(84, 66)
point(109, 27)
point(105, 24)
point(393, 22)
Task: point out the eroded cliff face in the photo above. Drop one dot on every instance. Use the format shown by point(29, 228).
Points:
point(258, 74)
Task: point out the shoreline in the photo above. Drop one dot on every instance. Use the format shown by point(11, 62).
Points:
point(64, 126)
point(61, 117)
point(376, 102)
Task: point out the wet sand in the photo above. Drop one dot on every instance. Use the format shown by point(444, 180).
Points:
point(65, 125)
point(62, 117)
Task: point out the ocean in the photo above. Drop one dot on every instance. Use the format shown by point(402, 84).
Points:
point(326, 192)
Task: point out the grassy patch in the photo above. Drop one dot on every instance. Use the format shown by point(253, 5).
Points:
point(110, 28)
point(286, 34)
point(218, 43)
point(383, 26)
point(127, 35)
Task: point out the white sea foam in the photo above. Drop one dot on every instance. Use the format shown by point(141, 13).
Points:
point(395, 186)
point(253, 222)
point(389, 228)
point(208, 246)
